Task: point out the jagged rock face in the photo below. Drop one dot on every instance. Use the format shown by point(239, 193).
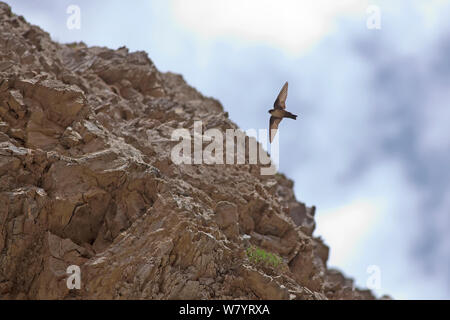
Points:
point(86, 179)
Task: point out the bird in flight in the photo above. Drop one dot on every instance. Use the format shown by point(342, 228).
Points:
point(278, 112)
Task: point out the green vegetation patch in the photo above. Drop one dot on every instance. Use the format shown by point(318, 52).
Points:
point(260, 256)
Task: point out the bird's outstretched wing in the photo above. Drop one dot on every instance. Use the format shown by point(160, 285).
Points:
point(280, 103)
point(273, 127)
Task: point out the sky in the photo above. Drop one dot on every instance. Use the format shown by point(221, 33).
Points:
point(370, 148)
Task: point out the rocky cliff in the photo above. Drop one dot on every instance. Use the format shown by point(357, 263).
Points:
point(86, 179)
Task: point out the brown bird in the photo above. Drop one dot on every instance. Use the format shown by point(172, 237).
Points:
point(278, 112)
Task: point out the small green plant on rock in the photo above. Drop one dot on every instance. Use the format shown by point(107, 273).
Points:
point(260, 256)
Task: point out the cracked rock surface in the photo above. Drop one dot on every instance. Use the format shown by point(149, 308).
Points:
point(86, 179)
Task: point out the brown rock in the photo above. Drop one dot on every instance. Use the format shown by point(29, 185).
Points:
point(86, 179)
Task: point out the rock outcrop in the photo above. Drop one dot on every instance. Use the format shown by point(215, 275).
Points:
point(86, 179)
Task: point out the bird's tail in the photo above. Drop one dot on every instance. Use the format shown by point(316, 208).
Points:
point(287, 114)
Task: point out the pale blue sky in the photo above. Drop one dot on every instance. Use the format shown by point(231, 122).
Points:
point(370, 147)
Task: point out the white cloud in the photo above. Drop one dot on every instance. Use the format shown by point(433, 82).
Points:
point(290, 24)
point(380, 226)
point(365, 231)
point(346, 227)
